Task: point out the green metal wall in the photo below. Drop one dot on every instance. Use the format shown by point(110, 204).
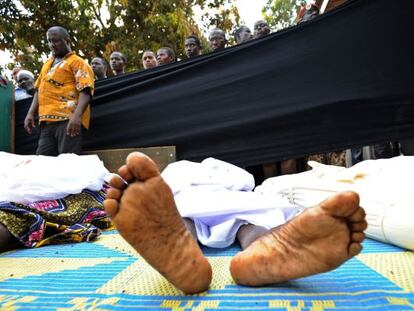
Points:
point(6, 113)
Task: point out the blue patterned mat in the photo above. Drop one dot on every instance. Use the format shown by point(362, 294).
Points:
point(108, 275)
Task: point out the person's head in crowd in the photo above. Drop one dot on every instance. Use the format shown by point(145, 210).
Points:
point(261, 29)
point(25, 80)
point(308, 12)
point(59, 41)
point(192, 46)
point(118, 63)
point(243, 34)
point(149, 59)
point(165, 55)
point(217, 39)
point(99, 67)
point(15, 72)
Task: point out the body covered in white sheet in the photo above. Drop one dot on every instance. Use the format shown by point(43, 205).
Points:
point(218, 197)
point(27, 179)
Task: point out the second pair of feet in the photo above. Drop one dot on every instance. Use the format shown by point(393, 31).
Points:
point(143, 210)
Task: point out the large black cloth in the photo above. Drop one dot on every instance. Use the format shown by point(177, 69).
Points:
point(343, 79)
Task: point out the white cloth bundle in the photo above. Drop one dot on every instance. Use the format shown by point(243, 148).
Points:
point(218, 197)
point(385, 188)
point(185, 174)
point(27, 179)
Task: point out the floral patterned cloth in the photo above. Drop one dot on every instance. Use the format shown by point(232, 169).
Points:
point(75, 218)
point(59, 85)
point(337, 158)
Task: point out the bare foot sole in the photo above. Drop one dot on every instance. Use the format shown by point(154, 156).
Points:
point(318, 240)
point(145, 214)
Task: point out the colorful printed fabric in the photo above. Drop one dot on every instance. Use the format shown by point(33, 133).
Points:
point(75, 218)
point(59, 86)
point(330, 158)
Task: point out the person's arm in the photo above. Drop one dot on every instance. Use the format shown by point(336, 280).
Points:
point(29, 122)
point(75, 122)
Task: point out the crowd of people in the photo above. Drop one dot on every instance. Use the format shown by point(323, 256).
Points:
point(165, 55)
point(64, 88)
point(117, 64)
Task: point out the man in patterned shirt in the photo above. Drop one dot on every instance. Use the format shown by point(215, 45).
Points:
point(64, 90)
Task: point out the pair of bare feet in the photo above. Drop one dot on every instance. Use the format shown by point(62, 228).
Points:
point(318, 240)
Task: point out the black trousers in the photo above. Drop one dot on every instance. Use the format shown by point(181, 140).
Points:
point(53, 139)
point(407, 147)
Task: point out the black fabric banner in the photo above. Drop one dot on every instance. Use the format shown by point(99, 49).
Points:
point(344, 79)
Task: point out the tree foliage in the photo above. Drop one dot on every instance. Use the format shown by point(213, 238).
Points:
point(99, 27)
point(281, 13)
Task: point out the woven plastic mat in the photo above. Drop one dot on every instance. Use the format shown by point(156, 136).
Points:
point(108, 275)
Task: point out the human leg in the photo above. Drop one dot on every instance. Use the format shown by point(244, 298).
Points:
point(66, 143)
point(189, 224)
point(288, 167)
point(47, 145)
point(145, 214)
point(247, 234)
point(318, 240)
point(6, 239)
point(407, 146)
point(356, 154)
point(385, 150)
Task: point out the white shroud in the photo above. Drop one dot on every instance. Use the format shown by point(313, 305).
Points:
point(27, 179)
point(218, 197)
point(385, 187)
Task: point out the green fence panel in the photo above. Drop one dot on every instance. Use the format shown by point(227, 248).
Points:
point(6, 114)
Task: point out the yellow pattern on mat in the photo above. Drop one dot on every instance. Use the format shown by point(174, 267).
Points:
point(118, 278)
point(116, 243)
point(317, 305)
point(399, 302)
point(90, 304)
point(397, 267)
point(22, 267)
point(8, 303)
point(141, 279)
point(179, 305)
point(221, 272)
